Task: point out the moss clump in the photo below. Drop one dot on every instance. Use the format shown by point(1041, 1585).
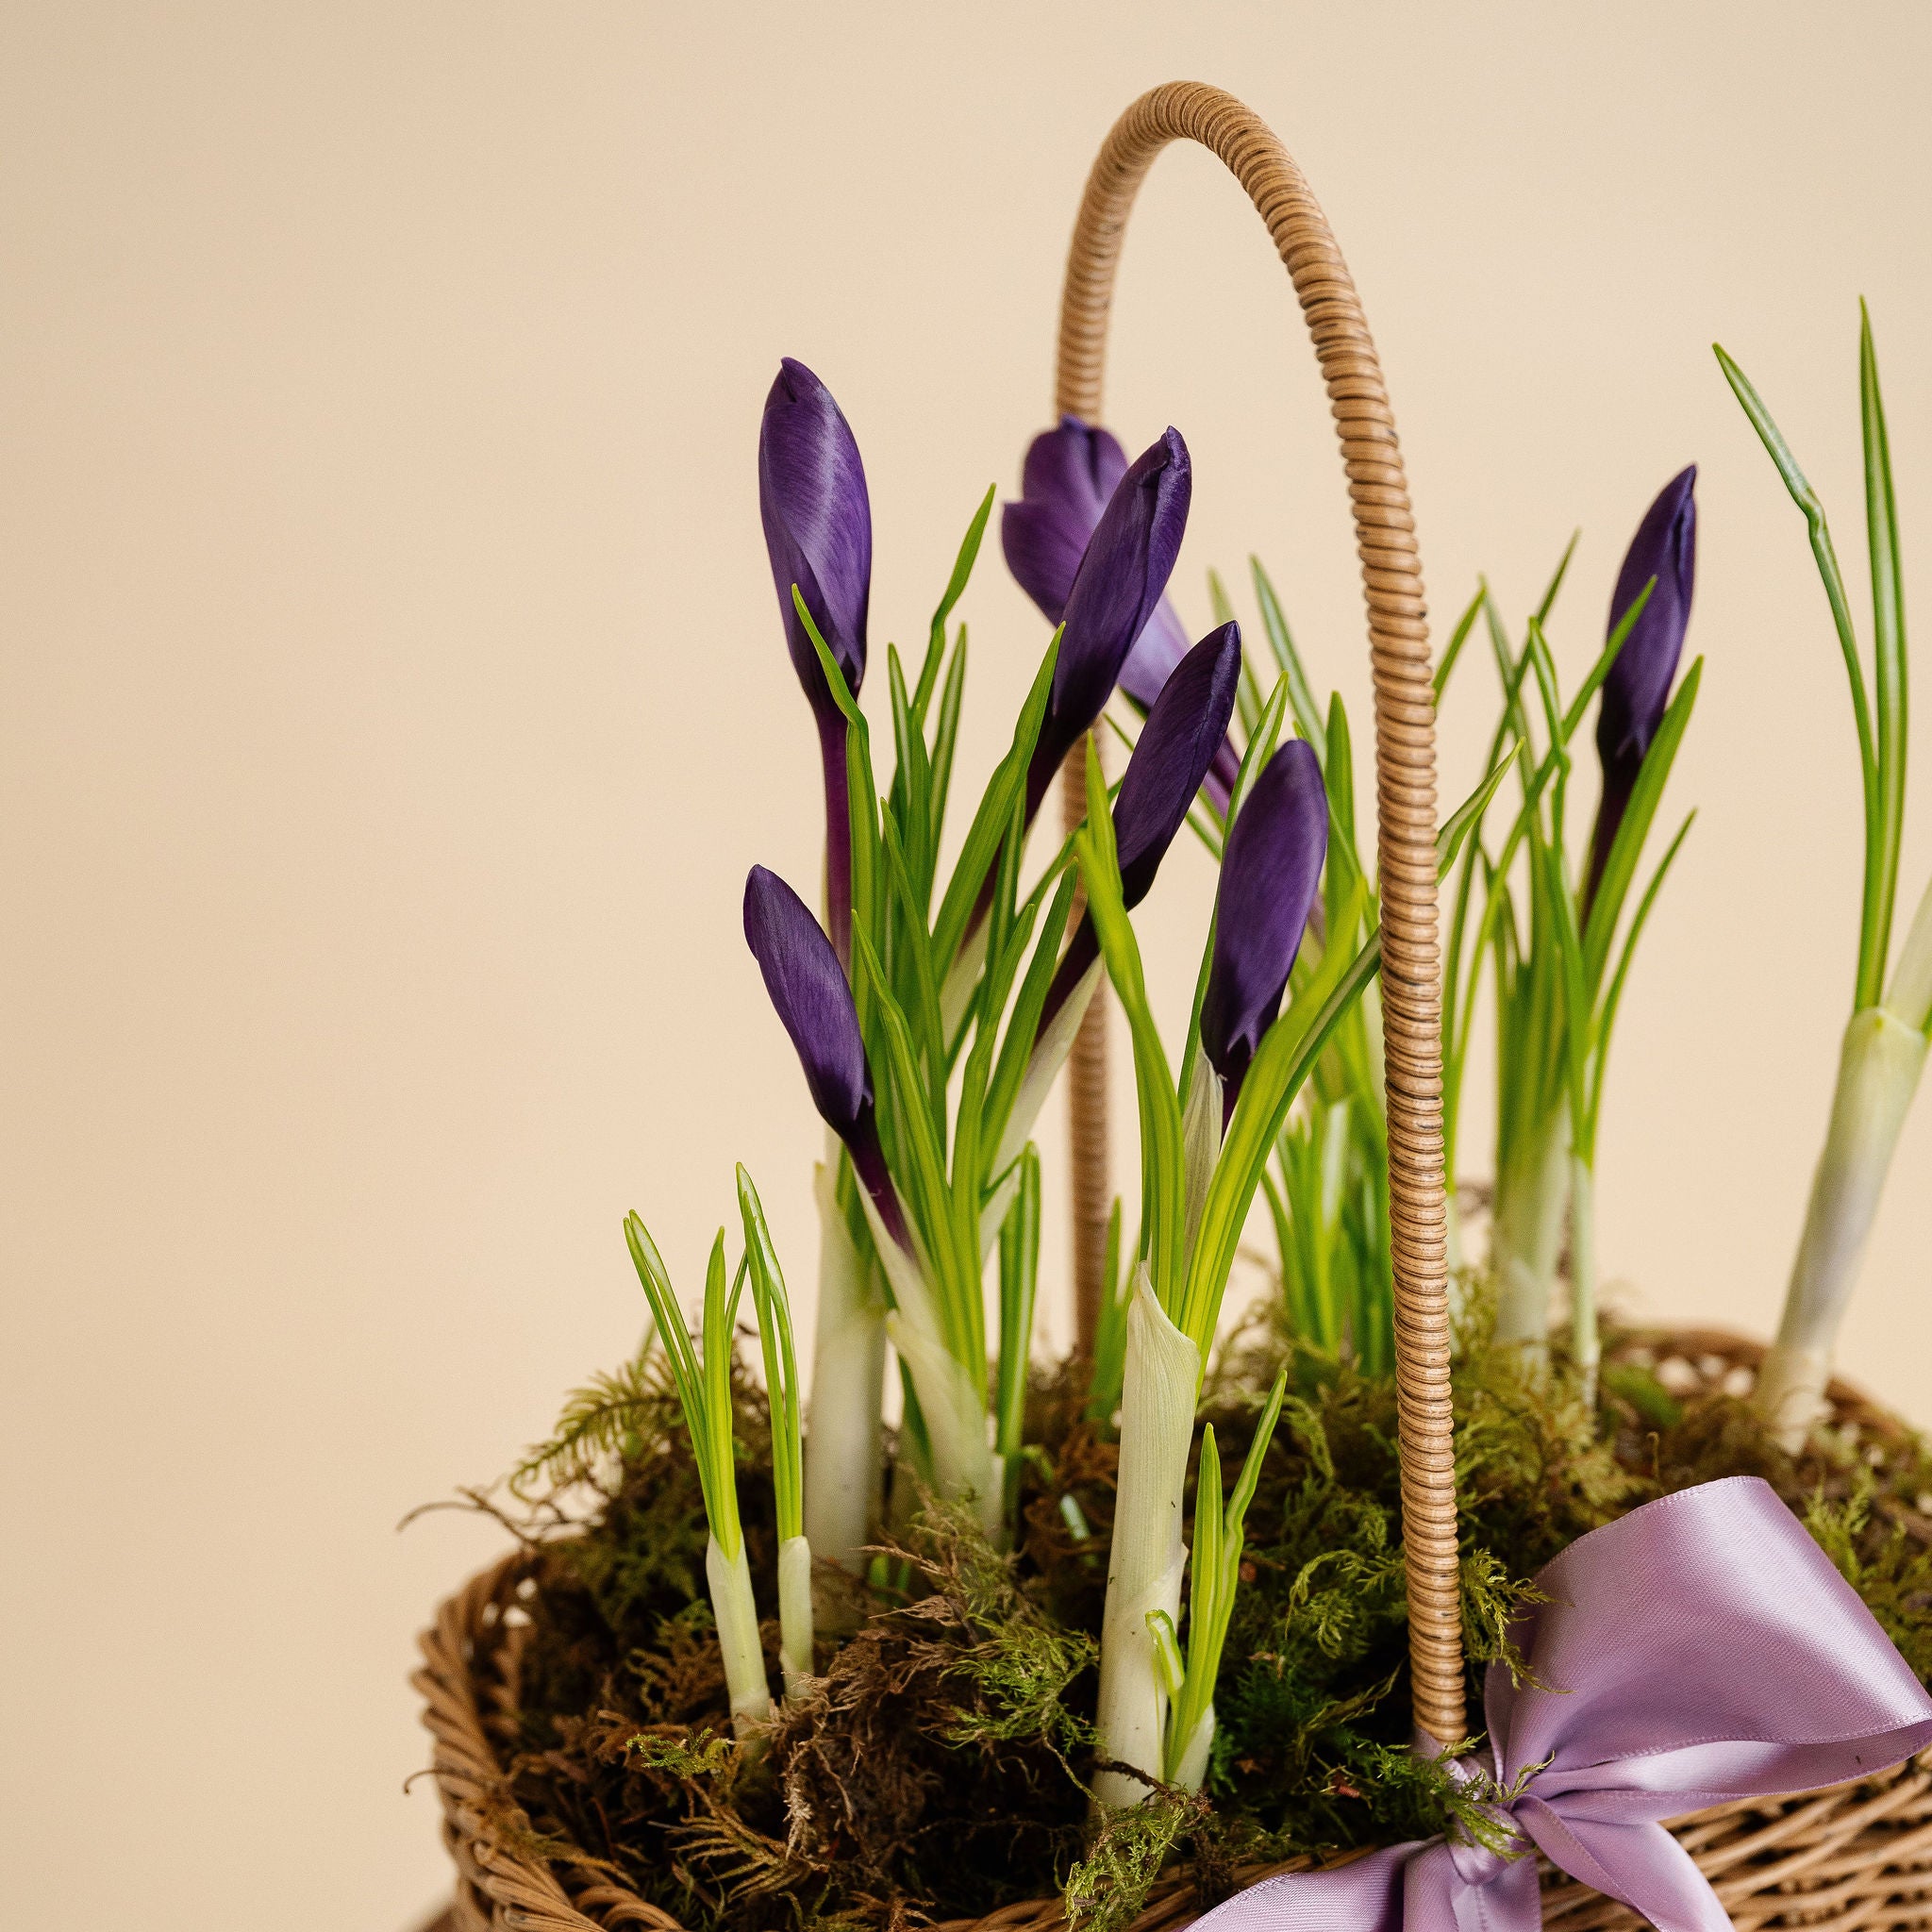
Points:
point(940, 1766)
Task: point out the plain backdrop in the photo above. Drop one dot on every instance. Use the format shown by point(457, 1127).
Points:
point(394, 698)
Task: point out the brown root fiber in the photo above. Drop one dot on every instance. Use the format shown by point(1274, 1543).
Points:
point(940, 1766)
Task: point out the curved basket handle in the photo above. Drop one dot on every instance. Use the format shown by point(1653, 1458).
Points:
point(1406, 800)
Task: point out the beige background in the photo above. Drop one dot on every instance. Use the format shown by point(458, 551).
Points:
point(393, 700)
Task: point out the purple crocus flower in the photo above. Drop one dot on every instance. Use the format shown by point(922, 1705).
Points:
point(1637, 691)
point(1069, 474)
point(1171, 759)
point(1270, 869)
point(813, 1000)
point(1115, 592)
point(818, 534)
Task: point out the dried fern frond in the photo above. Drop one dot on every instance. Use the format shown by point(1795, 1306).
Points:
point(611, 1416)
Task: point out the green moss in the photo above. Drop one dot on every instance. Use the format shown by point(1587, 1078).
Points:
point(941, 1765)
point(1106, 1890)
point(1889, 1565)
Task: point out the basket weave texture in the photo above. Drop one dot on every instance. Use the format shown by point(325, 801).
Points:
point(1856, 1858)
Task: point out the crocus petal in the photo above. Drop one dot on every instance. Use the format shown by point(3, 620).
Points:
point(1115, 592)
point(1070, 472)
point(1155, 652)
point(1178, 744)
point(1149, 665)
point(812, 999)
point(1270, 869)
point(818, 525)
point(1171, 757)
point(1637, 690)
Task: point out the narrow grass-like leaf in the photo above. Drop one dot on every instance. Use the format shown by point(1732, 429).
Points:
point(781, 1363)
point(1628, 844)
point(1548, 602)
point(1280, 1065)
point(1607, 1015)
point(1869, 980)
point(946, 735)
point(961, 1315)
point(1160, 1120)
point(918, 979)
point(1888, 653)
point(1261, 746)
point(1544, 666)
point(1257, 1449)
point(1467, 816)
point(990, 822)
point(911, 793)
point(956, 588)
point(1248, 692)
point(1307, 714)
point(707, 1414)
point(1604, 658)
point(1571, 1033)
point(1018, 1283)
point(1023, 1025)
point(1458, 637)
point(1344, 869)
point(1111, 1329)
point(861, 797)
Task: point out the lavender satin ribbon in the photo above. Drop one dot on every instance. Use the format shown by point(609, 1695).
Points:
point(1699, 1650)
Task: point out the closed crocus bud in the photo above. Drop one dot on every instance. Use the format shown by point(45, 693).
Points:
point(1171, 761)
point(813, 1001)
point(1269, 870)
point(1115, 592)
point(1637, 690)
point(1069, 474)
point(818, 534)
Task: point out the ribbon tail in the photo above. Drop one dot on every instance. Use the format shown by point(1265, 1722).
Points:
point(1365, 1895)
point(1407, 1887)
point(1642, 1866)
point(1509, 1901)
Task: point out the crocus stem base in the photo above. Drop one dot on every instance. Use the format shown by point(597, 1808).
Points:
point(1532, 1195)
point(794, 1611)
point(736, 1612)
point(844, 1466)
point(1877, 1075)
point(1586, 1344)
point(1147, 1556)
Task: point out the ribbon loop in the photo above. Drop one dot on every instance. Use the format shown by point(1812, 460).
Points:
point(1700, 1650)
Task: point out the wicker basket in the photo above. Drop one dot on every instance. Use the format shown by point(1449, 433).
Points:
point(1856, 1855)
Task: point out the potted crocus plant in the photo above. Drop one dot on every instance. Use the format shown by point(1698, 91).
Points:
point(914, 1625)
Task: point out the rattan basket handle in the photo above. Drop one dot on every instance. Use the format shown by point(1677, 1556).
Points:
point(1406, 801)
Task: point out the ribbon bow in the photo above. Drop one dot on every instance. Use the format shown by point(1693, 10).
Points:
point(1699, 1650)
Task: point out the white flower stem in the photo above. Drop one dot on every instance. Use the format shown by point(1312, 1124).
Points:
point(794, 1611)
point(1878, 1072)
point(1147, 1556)
point(1531, 1195)
point(957, 1423)
point(736, 1615)
point(843, 1455)
point(1910, 997)
point(1191, 1767)
point(1586, 1343)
